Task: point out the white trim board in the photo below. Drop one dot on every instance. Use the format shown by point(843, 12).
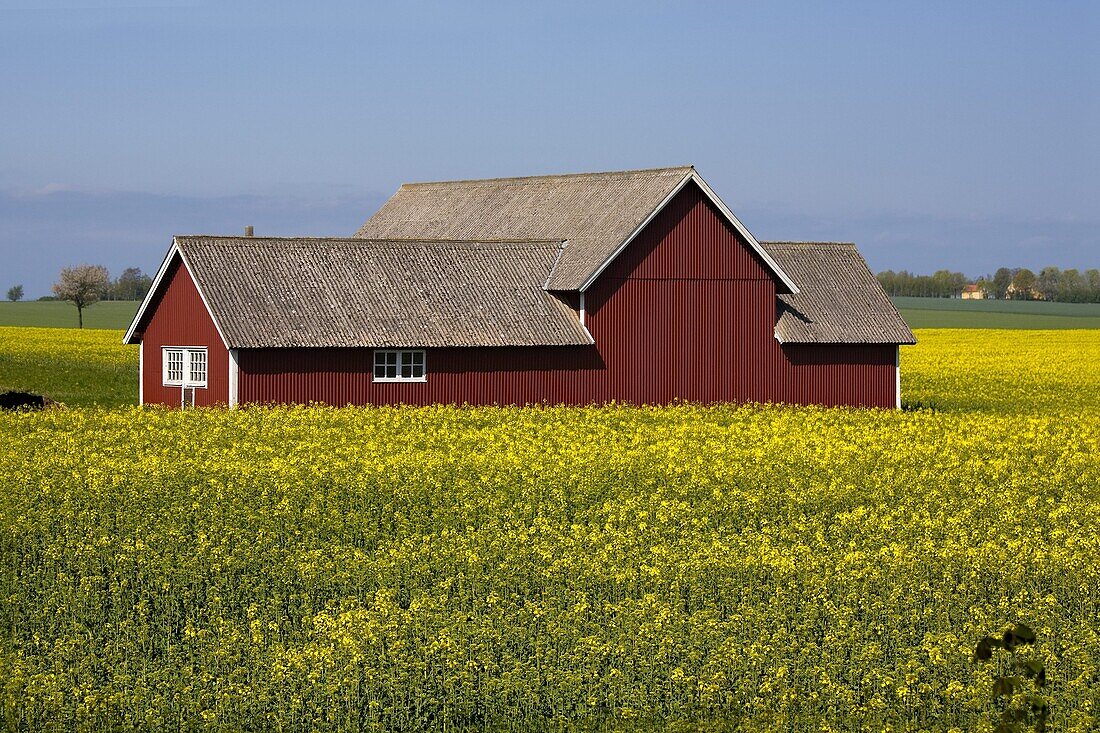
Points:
point(141, 373)
point(205, 302)
point(583, 315)
point(234, 377)
point(694, 177)
point(897, 377)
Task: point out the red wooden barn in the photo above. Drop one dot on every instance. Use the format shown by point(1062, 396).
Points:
point(635, 286)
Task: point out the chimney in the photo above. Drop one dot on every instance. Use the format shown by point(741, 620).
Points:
point(248, 231)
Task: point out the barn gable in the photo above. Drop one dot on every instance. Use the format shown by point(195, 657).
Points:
point(166, 276)
point(174, 316)
point(688, 239)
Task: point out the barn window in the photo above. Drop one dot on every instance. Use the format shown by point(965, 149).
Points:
point(184, 366)
point(394, 365)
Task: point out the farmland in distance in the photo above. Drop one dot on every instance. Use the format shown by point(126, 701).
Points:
point(999, 314)
point(106, 314)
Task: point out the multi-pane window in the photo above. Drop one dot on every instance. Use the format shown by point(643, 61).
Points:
point(198, 367)
point(184, 367)
point(173, 366)
point(395, 365)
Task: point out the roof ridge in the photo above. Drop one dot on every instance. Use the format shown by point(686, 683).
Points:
point(555, 241)
point(592, 174)
point(359, 241)
point(809, 244)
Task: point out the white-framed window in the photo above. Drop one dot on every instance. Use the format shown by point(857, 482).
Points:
point(399, 365)
point(184, 366)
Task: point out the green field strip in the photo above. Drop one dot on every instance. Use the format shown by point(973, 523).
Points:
point(107, 314)
point(927, 318)
point(1024, 307)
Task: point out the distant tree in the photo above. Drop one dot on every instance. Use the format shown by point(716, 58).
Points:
point(941, 283)
point(1002, 278)
point(82, 286)
point(946, 284)
point(1072, 287)
point(1023, 285)
point(1092, 284)
point(1065, 286)
point(15, 292)
point(1048, 282)
point(957, 281)
point(132, 284)
point(888, 280)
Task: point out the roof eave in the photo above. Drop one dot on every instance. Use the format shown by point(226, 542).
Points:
point(834, 342)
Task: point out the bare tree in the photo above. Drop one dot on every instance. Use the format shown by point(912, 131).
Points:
point(15, 292)
point(82, 286)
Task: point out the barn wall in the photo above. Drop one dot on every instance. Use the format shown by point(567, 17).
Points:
point(857, 375)
point(180, 319)
point(502, 376)
point(688, 312)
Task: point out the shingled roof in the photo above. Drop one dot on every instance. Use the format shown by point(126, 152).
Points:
point(839, 300)
point(596, 212)
point(286, 292)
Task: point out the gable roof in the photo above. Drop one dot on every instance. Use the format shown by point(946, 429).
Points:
point(598, 213)
point(307, 292)
point(839, 300)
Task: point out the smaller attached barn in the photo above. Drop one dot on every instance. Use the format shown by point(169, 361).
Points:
point(636, 286)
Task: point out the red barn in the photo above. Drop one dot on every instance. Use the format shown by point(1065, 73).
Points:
point(634, 286)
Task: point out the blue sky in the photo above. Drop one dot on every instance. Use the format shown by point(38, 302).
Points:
point(933, 134)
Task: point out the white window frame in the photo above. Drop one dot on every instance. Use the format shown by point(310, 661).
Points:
point(402, 356)
point(188, 352)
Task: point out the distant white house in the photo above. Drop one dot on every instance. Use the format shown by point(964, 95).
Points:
point(973, 292)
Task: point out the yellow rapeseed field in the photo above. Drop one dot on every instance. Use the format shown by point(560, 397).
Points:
point(761, 567)
point(1004, 371)
point(79, 368)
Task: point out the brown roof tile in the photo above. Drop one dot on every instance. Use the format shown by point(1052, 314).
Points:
point(595, 212)
point(840, 300)
point(286, 292)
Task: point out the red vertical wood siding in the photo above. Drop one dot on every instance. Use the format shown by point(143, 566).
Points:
point(502, 376)
point(180, 319)
point(839, 374)
point(686, 312)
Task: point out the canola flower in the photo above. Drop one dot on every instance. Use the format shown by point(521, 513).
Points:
point(80, 368)
point(1004, 371)
point(772, 568)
